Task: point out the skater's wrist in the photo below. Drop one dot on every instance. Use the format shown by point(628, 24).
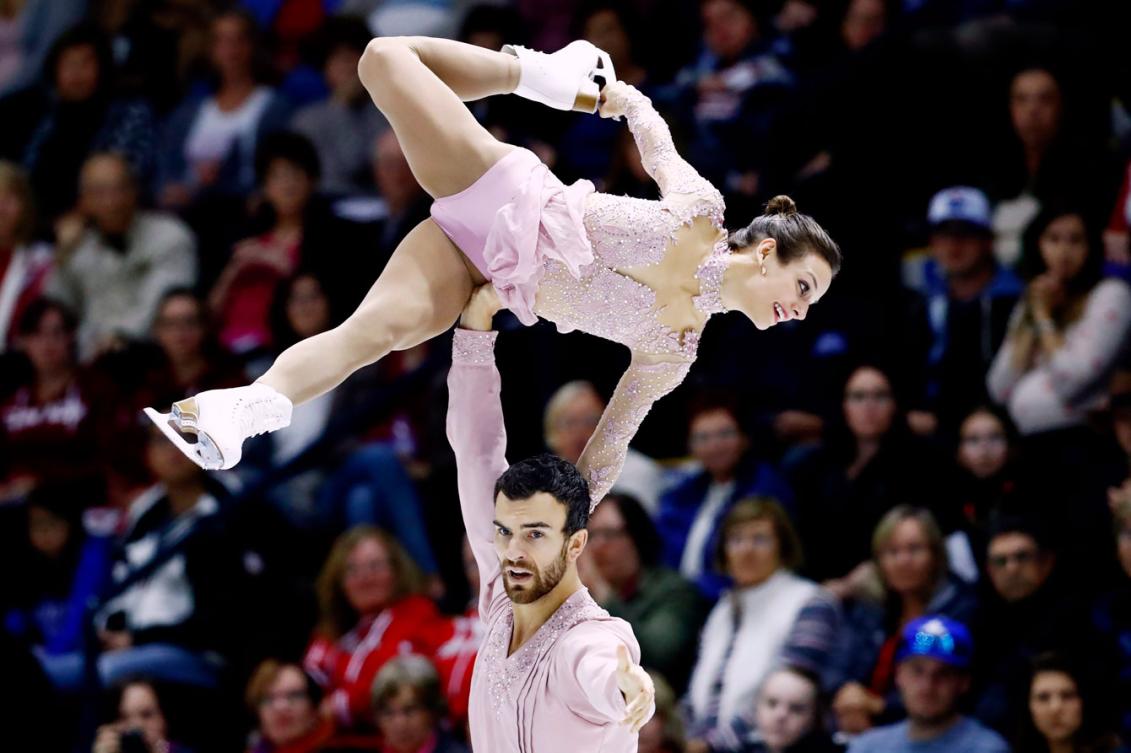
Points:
point(470, 346)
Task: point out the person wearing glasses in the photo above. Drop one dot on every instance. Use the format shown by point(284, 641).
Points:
point(1030, 609)
point(408, 703)
point(285, 700)
point(932, 673)
point(691, 512)
point(770, 616)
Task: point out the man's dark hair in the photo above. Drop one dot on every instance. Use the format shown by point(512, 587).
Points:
point(554, 476)
point(1025, 525)
point(639, 527)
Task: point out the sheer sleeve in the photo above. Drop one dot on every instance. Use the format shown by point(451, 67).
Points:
point(647, 379)
point(658, 154)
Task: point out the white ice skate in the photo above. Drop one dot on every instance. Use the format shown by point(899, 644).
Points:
point(564, 80)
point(221, 420)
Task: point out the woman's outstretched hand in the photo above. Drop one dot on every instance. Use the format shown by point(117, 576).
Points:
point(480, 309)
point(614, 99)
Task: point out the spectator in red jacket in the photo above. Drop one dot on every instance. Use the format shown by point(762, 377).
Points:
point(369, 593)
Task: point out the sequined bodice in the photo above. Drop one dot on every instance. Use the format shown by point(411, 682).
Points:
point(628, 232)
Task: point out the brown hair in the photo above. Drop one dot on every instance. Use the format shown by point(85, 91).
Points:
point(412, 671)
point(15, 180)
point(796, 234)
point(898, 514)
point(264, 677)
point(761, 508)
point(338, 615)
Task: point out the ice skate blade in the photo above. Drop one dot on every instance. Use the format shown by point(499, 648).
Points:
point(203, 452)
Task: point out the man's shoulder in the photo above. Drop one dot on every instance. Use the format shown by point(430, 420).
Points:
point(893, 737)
point(977, 738)
point(157, 225)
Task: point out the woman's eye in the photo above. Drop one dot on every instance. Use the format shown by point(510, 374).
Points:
point(804, 287)
point(535, 534)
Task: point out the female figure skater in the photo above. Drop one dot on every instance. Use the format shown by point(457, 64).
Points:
point(647, 274)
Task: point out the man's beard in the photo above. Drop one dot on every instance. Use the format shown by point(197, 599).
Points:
point(540, 583)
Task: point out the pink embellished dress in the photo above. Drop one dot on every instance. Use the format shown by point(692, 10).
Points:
point(557, 252)
point(558, 692)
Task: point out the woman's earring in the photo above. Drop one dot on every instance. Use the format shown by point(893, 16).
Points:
point(763, 269)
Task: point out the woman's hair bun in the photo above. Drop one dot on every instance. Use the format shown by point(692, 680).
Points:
point(781, 204)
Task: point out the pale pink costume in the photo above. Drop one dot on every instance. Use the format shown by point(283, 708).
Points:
point(555, 251)
point(558, 693)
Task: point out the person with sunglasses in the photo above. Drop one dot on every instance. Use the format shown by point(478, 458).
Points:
point(933, 674)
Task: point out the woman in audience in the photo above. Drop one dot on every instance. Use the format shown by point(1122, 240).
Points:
point(859, 472)
point(988, 473)
point(285, 700)
point(1111, 619)
point(789, 718)
point(209, 143)
point(409, 706)
point(1067, 332)
point(24, 263)
point(48, 427)
point(910, 558)
point(193, 358)
point(369, 594)
point(141, 723)
point(770, 615)
point(84, 116)
point(1061, 716)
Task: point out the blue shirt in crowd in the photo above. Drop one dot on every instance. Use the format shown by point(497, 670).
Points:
point(966, 735)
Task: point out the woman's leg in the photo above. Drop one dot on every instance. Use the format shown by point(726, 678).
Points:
point(420, 84)
point(420, 294)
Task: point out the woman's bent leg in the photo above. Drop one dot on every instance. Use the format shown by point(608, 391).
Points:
point(420, 294)
point(419, 83)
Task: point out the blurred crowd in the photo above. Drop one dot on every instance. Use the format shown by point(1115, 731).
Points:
point(901, 525)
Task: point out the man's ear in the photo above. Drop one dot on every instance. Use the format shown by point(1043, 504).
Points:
point(577, 544)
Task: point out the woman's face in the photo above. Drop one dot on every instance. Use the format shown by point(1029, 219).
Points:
point(982, 444)
point(864, 21)
point(906, 563)
point(286, 713)
point(869, 404)
point(779, 292)
point(231, 46)
point(11, 215)
point(287, 188)
point(308, 310)
point(47, 531)
point(1064, 246)
point(787, 709)
point(1054, 702)
point(140, 710)
point(179, 328)
point(369, 581)
point(728, 27)
point(717, 442)
point(753, 552)
point(404, 722)
point(76, 73)
point(50, 348)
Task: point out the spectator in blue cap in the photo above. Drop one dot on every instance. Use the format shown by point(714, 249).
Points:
point(933, 674)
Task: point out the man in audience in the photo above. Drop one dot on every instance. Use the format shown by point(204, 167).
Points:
point(969, 299)
point(115, 262)
point(1029, 611)
point(570, 418)
point(933, 673)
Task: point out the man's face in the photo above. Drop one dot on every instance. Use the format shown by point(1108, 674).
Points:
point(930, 688)
point(960, 252)
point(107, 194)
point(534, 552)
point(1018, 567)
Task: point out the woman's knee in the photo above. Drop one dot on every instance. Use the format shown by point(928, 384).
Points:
point(380, 60)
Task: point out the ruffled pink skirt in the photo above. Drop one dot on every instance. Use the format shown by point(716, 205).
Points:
point(517, 215)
